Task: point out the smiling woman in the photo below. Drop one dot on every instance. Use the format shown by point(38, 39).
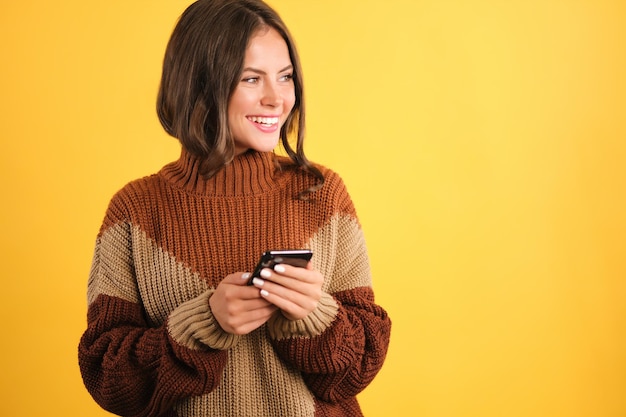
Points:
point(210, 56)
point(173, 327)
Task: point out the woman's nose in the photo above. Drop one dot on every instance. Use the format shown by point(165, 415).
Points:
point(271, 95)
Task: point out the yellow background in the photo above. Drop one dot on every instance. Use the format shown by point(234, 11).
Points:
point(483, 143)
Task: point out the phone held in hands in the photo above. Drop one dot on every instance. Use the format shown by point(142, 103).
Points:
point(294, 257)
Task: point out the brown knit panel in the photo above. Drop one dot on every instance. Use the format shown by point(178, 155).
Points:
point(216, 235)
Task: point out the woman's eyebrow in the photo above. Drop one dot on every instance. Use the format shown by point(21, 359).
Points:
point(259, 71)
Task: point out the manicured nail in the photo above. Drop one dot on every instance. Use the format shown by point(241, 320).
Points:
point(258, 282)
point(279, 268)
point(264, 293)
point(246, 276)
point(266, 273)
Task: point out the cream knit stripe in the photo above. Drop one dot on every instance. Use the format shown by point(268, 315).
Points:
point(112, 271)
point(164, 283)
point(193, 325)
point(274, 389)
point(341, 254)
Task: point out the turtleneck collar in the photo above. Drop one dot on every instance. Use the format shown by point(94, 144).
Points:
point(248, 174)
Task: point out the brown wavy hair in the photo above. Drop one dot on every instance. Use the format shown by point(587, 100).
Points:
point(201, 69)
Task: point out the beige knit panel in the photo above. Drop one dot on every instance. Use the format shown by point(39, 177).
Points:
point(340, 254)
point(129, 265)
point(112, 272)
point(164, 283)
point(256, 383)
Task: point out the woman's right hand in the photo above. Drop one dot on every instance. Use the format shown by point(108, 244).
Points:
point(238, 307)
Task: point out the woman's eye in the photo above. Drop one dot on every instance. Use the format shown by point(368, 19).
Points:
point(286, 77)
point(250, 80)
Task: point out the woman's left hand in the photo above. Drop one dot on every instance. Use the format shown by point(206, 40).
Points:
point(295, 291)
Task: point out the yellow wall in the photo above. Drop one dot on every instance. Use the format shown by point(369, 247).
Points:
point(483, 143)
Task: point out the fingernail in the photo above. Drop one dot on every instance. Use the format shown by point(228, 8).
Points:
point(246, 276)
point(279, 268)
point(258, 282)
point(266, 273)
point(264, 293)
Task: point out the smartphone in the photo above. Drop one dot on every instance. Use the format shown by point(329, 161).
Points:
point(295, 257)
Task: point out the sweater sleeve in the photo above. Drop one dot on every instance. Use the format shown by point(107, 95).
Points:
point(341, 346)
point(340, 362)
point(132, 367)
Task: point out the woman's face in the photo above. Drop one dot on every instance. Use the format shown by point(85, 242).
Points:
point(264, 95)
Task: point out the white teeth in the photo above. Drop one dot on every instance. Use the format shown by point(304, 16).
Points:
point(264, 120)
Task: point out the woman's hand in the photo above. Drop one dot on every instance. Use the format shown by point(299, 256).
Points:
point(295, 291)
point(238, 307)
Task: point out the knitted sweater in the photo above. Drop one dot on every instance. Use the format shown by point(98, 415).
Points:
point(152, 346)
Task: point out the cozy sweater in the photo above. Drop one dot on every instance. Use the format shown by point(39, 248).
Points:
point(152, 346)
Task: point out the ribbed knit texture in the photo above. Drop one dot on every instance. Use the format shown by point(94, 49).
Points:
point(153, 347)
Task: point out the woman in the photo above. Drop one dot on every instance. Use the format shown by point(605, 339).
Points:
point(173, 328)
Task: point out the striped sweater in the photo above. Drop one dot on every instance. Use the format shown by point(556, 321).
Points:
point(152, 346)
